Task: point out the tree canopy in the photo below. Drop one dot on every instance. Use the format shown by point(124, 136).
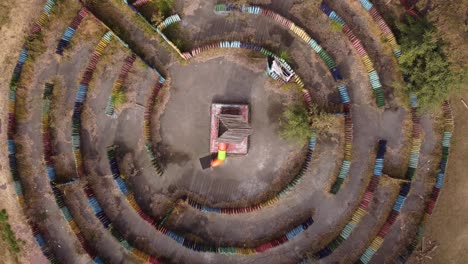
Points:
point(428, 72)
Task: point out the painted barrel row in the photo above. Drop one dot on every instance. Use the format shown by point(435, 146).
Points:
point(139, 3)
point(11, 129)
point(256, 10)
point(15, 78)
point(332, 14)
point(346, 164)
point(111, 155)
point(80, 98)
point(147, 126)
point(439, 181)
point(59, 199)
point(242, 45)
point(416, 139)
point(225, 7)
point(404, 188)
point(154, 28)
point(322, 54)
point(50, 169)
point(385, 229)
point(307, 99)
point(70, 31)
point(387, 32)
point(377, 173)
point(40, 241)
point(107, 224)
point(169, 21)
point(362, 210)
point(128, 63)
point(43, 17)
point(252, 208)
point(39, 238)
point(357, 44)
point(297, 230)
point(171, 44)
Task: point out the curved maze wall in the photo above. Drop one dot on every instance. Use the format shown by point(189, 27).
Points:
point(108, 222)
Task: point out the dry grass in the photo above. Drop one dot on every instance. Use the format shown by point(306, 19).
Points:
point(5, 8)
point(57, 92)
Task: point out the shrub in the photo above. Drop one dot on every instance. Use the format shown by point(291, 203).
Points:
point(335, 26)
point(285, 56)
point(119, 99)
point(7, 234)
point(428, 72)
point(295, 123)
point(160, 9)
point(165, 7)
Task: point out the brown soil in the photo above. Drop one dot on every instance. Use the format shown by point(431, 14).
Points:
point(448, 227)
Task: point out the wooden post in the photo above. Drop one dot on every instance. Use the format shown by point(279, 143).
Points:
point(464, 103)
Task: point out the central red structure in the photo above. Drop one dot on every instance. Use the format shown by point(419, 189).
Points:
point(230, 109)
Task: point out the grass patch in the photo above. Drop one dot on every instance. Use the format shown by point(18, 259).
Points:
point(119, 98)
point(7, 234)
point(21, 112)
point(335, 26)
point(290, 86)
point(35, 46)
point(295, 123)
point(285, 56)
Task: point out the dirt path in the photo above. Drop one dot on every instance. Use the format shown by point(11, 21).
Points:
point(448, 226)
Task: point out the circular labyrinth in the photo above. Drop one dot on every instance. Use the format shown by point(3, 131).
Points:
point(105, 137)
